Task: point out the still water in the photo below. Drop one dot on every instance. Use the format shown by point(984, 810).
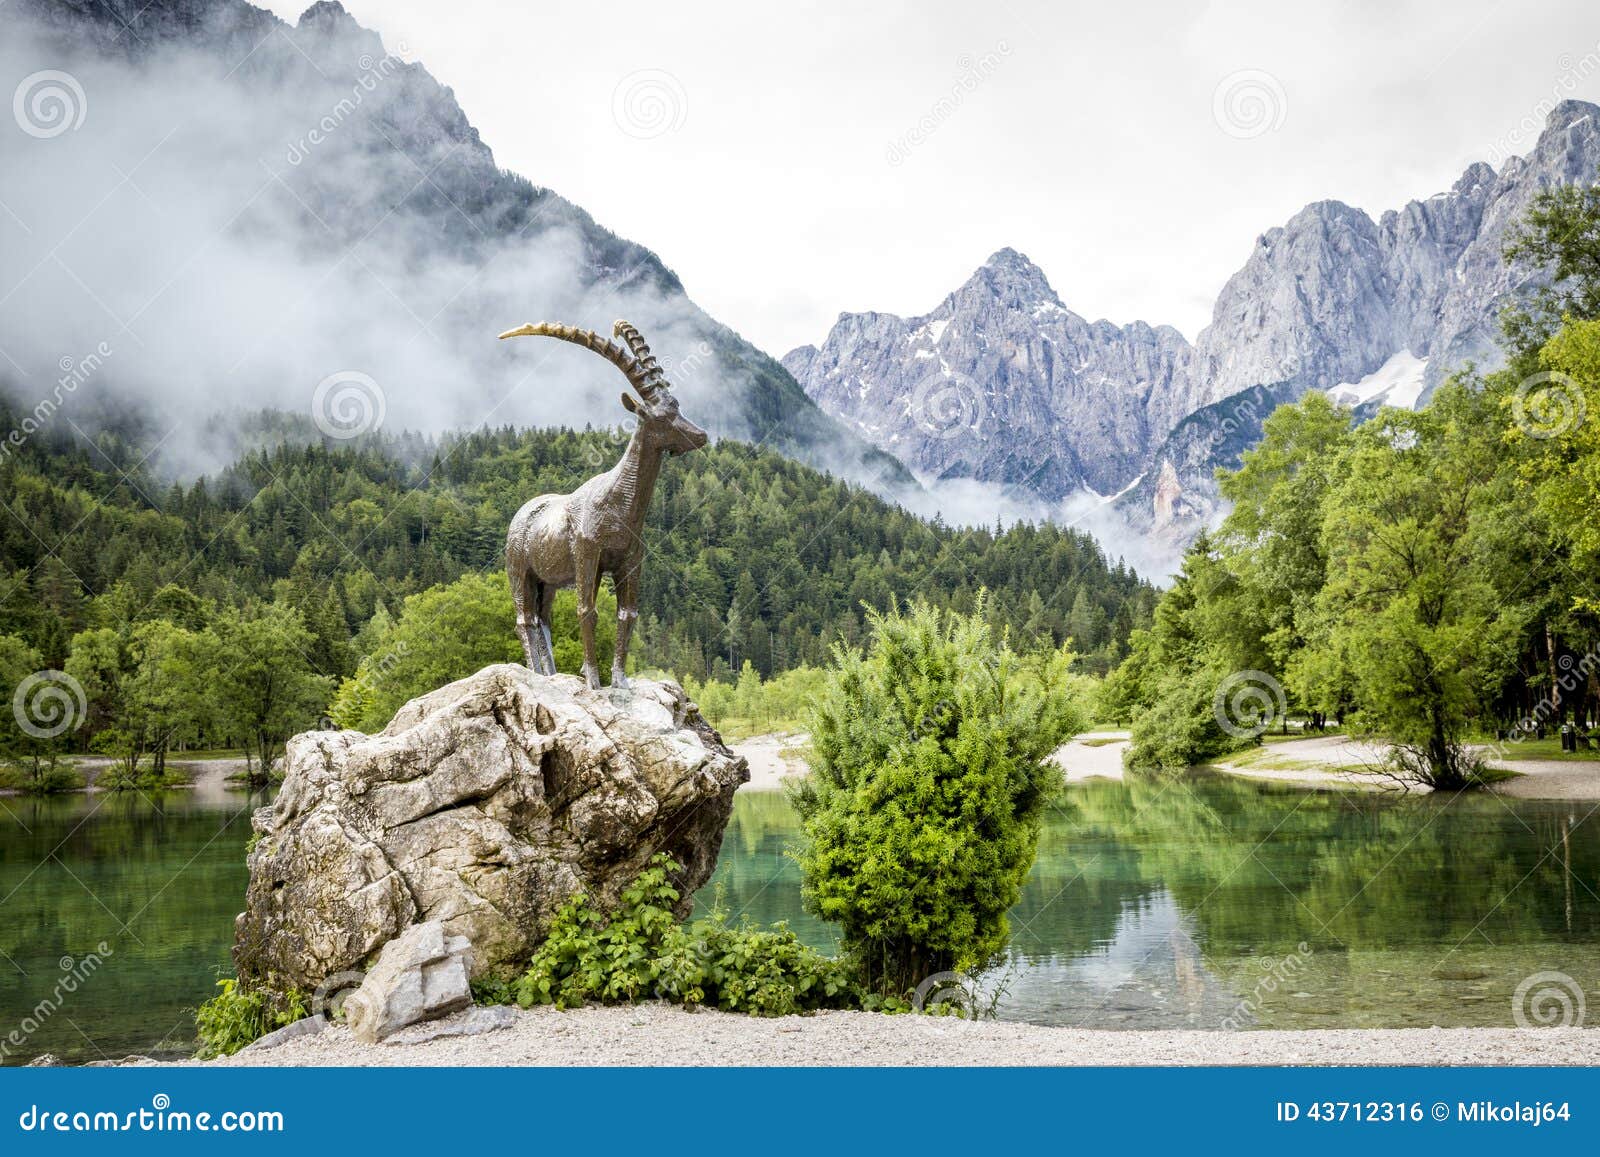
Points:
point(1212, 902)
point(1203, 902)
point(116, 916)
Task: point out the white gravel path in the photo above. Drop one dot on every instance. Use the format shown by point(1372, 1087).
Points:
point(1090, 756)
point(1537, 779)
point(769, 766)
point(657, 1034)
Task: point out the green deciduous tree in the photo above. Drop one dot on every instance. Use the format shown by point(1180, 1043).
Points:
point(1560, 233)
point(33, 756)
point(265, 688)
point(441, 635)
point(1407, 601)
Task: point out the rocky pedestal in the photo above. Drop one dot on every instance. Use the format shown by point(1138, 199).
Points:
point(485, 806)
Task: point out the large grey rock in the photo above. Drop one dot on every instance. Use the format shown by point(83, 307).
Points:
point(422, 974)
point(474, 1021)
point(485, 805)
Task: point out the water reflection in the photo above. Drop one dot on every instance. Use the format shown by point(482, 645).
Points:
point(156, 878)
point(1207, 902)
point(1152, 904)
point(1149, 973)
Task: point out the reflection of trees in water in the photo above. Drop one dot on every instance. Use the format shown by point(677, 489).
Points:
point(762, 816)
point(1261, 867)
point(755, 875)
point(172, 870)
point(1165, 903)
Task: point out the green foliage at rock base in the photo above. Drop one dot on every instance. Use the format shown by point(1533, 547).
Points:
point(641, 951)
point(237, 1016)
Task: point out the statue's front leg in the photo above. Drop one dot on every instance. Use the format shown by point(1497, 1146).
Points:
point(627, 581)
point(588, 583)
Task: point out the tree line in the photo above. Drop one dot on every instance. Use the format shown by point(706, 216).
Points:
point(314, 577)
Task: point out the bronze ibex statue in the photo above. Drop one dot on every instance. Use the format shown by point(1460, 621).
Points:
point(562, 540)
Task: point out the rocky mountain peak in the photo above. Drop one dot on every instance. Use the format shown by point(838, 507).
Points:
point(1011, 280)
point(1378, 310)
point(1571, 113)
point(327, 15)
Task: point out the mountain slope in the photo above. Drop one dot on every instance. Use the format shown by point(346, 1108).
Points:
point(1035, 396)
point(296, 202)
point(1001, 383)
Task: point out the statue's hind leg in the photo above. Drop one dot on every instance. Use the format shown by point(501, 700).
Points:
point(522, 599)
point(546, 604)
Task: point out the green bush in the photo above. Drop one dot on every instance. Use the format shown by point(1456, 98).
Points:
point(929, 780)
point(45, 778)
point(1183, 727)
point(640, 951)
point(237, 1016)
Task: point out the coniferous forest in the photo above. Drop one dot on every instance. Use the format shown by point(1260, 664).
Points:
point(234, 609)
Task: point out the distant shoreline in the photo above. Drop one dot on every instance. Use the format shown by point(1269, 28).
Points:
point(1314, 762)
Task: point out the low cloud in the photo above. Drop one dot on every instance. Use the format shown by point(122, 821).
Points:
point(239, 237)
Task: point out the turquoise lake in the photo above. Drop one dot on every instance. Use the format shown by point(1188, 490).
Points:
point(1204, 902)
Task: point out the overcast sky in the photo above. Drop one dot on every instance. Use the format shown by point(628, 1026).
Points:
point(792, 161)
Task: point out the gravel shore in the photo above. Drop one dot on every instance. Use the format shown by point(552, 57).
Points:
point(1320, 756)
point(655, 1034)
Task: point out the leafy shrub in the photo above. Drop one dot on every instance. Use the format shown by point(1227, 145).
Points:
point(237, 1016)
point(45, 778)
point(928, 784)
point(640, 951)
point(1182, 728)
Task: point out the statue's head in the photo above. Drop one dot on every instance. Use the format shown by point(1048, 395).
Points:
point(660, 422)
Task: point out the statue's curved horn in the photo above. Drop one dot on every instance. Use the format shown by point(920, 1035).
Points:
point(636, 373)
point(641, 352)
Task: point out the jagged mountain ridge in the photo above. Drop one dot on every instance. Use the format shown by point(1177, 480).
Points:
point(401, 185)
point(1376, 310)
point(980, 386)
